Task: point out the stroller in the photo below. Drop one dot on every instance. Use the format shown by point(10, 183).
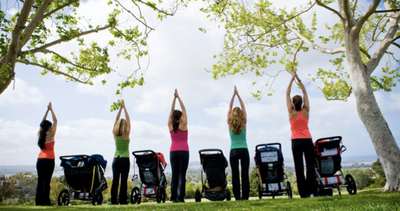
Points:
point(270, 172)
point(153, 180)
point(85, 178)
point(328, 172)
point(214, 165)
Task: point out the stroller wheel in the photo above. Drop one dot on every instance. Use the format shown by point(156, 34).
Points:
point(328, 192)
point(351, 184)
point(320, 187)
point(228, 194)
point(135, 196)
point(163, 195)
point(289, 190)
point(63, 198)
point(197, 196)
point(97, 198)
point(159, 195)
point(259, 191)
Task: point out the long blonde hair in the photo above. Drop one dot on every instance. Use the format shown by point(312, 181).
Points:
point(236, 120)
point(119, 128)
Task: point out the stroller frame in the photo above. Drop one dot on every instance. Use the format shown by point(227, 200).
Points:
point(262, 185)
point(157, 188)
point(212, 193)
point(326, 182)
point(92, 193)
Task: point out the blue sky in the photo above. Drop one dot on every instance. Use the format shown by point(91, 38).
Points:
point(179, 53)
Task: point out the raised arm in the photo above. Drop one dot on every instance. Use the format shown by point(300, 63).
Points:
point(128, 120)
point(288, 100)
point(170, 113)
point(230, 106)
point(306, 103)
point(53, 116)
point(118, 116)
point(242, 106)
point(184, 115)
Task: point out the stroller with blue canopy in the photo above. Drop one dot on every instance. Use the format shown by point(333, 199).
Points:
point(85, 178)
point(270, 172)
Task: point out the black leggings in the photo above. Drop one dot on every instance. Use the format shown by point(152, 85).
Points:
point(305, 185)
point(235, 155)
point(179, 164)
point(45, 168)
point(120, 168)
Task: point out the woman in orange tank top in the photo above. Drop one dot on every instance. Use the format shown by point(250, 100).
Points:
point(302, 144)
point(45, 161)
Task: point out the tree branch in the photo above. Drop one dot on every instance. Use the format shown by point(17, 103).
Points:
point(330, 9)
point(41, 49)
point(134, 16)
point(52, 70)
point(15, 47)
point(345, 97)
point(365, 53)
point(386, 42)
point(155, 8)
point(35, 22)
point(59, 8)
point(385, 11)
point(68, 61)
point(314, 46)
point(371, 9)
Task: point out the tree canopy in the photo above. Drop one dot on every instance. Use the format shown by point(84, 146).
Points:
point(57, 36)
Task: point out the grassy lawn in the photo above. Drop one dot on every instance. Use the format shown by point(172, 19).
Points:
point(363, 200)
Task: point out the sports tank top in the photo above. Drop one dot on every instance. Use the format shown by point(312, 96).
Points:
point(299, 127)
point(48, 151)
point(179, 140)
point(238, 140)
point(121, 147)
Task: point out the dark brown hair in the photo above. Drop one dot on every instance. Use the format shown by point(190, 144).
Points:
point(176, 117)
point(44, 127)
point(297, 102)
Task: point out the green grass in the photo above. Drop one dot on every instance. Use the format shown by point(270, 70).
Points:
point(364, 200)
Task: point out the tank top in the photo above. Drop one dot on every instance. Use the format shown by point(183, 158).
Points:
point(299, 127)
point(48, 151)
point(179, 140)
point(238, 140)
point(121, 147)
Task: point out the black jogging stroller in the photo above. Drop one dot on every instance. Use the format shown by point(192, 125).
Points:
point(329, 174)
point(85, 178)
point(270, 171)
point(214, 187)
point(153, 180)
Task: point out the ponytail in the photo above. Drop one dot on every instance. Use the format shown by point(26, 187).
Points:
point(44, 127)
point(176, 117)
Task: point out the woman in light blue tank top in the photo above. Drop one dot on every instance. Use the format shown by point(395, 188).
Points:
point(237, 119)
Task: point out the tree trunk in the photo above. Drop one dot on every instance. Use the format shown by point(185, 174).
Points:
point(368, 110)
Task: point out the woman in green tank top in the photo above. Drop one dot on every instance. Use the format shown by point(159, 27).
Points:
point(237, 119)
point(121, 163)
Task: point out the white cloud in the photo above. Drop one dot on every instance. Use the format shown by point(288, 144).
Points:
point(22, 94)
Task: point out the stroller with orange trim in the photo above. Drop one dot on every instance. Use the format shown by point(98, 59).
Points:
point(329, 174)
point(153, 180)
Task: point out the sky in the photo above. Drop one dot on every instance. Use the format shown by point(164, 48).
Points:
point(179, 55)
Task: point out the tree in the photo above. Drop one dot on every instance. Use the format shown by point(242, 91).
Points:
point(362, 177)
point(379, 178)
point(31, 36)
point(26, 183)
point(258, 35)
point(7, 187)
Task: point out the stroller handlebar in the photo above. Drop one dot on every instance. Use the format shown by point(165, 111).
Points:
point(333, 138)
point(210, 150)
point(270, 144)
point(79, 157)
point(134, 153)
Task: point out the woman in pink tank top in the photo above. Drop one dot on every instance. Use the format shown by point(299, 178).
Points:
point(179, 151)
point(302, 144)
